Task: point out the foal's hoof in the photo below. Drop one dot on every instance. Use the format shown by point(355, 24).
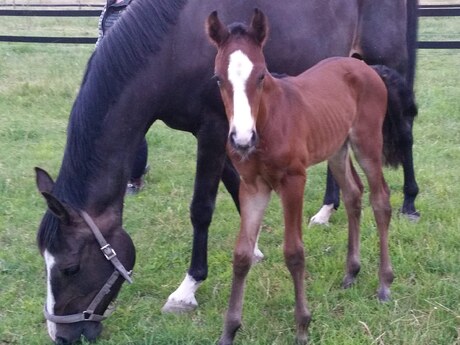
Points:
point(178, 307)
point(224, 342)
point(301, 341)
point(348, 281)
point(383, 294)
point(258, 256)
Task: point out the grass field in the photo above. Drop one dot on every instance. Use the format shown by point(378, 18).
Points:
point(37, 88)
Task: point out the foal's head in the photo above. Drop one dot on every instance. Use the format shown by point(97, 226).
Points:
point(240, 70)
point(81, 280)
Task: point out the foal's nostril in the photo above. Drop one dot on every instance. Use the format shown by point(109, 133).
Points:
point(254, 138)
point(232, 137)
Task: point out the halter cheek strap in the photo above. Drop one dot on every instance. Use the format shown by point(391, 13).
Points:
point(111, 255)
point(106, 248)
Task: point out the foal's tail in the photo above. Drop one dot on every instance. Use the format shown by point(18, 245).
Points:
point(401, 111)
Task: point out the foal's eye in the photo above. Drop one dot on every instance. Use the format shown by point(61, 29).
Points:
point(217, 79)
point(71, 270)
point(261, 79)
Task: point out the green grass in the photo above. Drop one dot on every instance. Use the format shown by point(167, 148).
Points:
point(38, 86)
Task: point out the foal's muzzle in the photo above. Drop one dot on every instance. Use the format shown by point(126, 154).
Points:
point(243, 145)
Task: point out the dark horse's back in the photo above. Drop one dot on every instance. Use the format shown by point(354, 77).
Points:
point(179, 72)
point(179, 75)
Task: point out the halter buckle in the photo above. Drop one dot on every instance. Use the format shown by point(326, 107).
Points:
point(108, 252)
point(87, 315)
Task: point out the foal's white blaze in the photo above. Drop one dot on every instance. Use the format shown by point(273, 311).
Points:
point(242, 123)
point(50, 301)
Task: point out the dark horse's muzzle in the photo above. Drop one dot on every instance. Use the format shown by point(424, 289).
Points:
point(69, 334)
point(88, 323)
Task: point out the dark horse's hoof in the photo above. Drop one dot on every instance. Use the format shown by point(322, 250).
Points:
point(412, 216)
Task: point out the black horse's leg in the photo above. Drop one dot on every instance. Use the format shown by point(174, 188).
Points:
point(410, 184)
point(375, 41)
point(231, 180)
point(210, 162)
point(331, 201)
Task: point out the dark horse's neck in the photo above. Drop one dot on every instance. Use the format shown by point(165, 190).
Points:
point(108, 119)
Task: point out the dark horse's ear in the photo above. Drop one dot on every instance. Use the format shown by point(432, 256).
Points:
point(44, 181)
point(259, 26)
point(57, 208)
point(217, 31)
point(45, 186)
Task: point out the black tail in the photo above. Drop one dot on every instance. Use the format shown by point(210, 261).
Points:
point(401, 111)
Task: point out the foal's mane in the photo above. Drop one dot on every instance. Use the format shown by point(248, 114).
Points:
point(121, 54)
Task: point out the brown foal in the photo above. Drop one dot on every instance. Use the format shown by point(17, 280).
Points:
point(281, 126)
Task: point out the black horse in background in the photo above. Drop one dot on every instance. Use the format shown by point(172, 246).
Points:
point(156, 63)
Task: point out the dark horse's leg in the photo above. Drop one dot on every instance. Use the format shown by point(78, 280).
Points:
point(231, 180)
point(398, 52)
point(410, 184)
point(331, 201)
point(211, 166)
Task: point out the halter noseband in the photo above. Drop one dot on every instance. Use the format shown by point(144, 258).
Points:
point(111, 255)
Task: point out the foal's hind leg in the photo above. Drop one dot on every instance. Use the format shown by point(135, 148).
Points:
point(369, 158)
point(352, 190)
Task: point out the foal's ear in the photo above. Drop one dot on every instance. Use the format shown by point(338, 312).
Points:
point(217, 31)
point(44, 181)
point(259, 26)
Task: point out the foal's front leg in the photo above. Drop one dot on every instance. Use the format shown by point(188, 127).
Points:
point(291, 193)
point(254, 198)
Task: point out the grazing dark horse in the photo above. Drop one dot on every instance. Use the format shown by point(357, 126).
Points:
point(280, 127)
point(156, 64)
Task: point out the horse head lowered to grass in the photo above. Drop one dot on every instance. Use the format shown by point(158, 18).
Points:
point(278, 127)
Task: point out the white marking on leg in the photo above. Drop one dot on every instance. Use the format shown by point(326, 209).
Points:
point(183, 298)
point(323, 215)
point(50, 301)
point(258, 255)
point(242, 123)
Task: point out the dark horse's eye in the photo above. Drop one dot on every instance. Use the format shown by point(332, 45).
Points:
point(72, 270)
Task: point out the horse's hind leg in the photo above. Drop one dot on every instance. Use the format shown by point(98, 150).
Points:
point(352, 190)
point(369, 158)
point(253, 201)
point(410, 184)
point(331, 201)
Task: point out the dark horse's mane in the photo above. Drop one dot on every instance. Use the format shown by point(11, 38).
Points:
point(119, 57)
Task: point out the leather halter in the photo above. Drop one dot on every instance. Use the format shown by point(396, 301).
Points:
point(109, 253)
